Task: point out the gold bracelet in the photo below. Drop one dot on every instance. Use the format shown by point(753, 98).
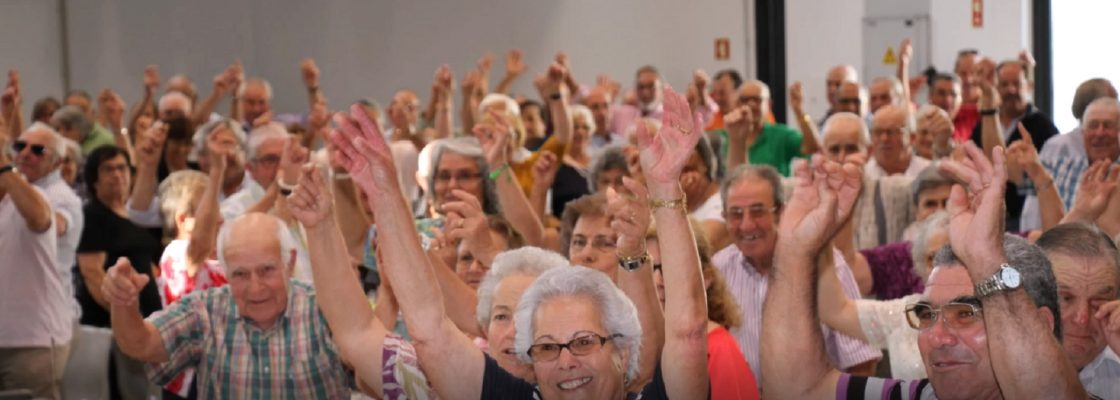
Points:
point(681, 203)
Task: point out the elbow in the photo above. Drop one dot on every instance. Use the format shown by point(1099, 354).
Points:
point(40, 224)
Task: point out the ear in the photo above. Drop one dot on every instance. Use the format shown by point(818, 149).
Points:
point(1047, 315)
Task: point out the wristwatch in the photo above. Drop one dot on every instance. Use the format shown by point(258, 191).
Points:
point(633, 263)
point(1007, 278)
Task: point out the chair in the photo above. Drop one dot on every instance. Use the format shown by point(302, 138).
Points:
point(86, 375)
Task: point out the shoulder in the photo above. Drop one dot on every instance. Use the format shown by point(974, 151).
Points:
point(725, 256)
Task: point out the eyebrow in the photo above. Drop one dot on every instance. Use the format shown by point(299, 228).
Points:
point(967, 300)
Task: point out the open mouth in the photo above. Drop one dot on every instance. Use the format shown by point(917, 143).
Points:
point(509, 352)
point(573, 384)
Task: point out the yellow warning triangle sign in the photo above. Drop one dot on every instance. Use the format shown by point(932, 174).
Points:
point(889, 58)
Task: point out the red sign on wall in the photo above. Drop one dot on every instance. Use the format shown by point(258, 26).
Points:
point(723, 49)
point(977, 13)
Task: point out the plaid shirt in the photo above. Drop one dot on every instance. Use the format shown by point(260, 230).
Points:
point(294, 359)
point(1064, 157)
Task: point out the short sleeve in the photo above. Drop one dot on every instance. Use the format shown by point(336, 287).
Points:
point(850, 387)
point(792, 141)
point(149, 218)
point(180, 328)
point(401, 377)
point(93, 238)
point(499, 384)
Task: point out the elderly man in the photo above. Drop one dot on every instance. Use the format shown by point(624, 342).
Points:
point(98, 135)
point(254, 97)
point(724, 84)
point(174, 105)
point(985, 286)
point(260, 336)
point(647, 92)
point(752, 201)
point(759, 141)
point(945, 93)
point(74, 124)
point(884, 91)
point(851, 97)
point(1066, 157)
point(837, 75)
point(266, 148)
point(891, 153)
point(1085, 264)
point(37, 313)
point(598, 100)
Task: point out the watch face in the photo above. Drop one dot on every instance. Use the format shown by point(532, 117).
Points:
point(1010, 277)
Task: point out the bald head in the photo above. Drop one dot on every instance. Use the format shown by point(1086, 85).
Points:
point(182, 84)
point(837, 75)
point(850, 98)
point(843, 135)
point(756, 95)
point(883, 91)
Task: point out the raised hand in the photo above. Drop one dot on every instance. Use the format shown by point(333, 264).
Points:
point(701, 80)
point(514, 64)
point(796, 97)
point(312, 201)
point(740, 123)
point(111, 107)
point(664, 153)
point(122, 284)
point(985, 72)
point(1108, 315)
point(554, 78)
point(263, 120)
point(630, 217)
point(1023, 156)
point(494, 138)
point(976, 224)
point(11, 98)
point(1095, 189)
point(905, 52)
point(544, 170)
point(603, 81)
point(362, 151)
point(151, 79)
point(149, 150)
point(310, 73)
point(467, 224)
point(443, 82)
point(291, 160)
point(219, 149)
point(823, 197)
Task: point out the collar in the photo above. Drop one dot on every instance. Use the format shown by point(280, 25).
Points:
point(1107, 364)
point(282, 319)
point(48, 180)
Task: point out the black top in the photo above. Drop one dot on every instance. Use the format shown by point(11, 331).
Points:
point(569, 185)
point(1042, 129)
point(497, 383)
point(105, 231)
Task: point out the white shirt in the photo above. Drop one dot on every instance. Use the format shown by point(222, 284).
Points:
point(884, 325)
point(1102, 376)
point(873, 171)
point(35, 306)
point(66, 204)
point(238, 203)
point(712, 209)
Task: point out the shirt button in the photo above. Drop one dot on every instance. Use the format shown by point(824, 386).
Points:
point(265, 369)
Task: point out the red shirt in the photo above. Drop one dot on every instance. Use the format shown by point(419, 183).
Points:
point(966, 119)
point(730, 376)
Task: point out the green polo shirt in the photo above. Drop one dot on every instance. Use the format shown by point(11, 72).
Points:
point(776, 146)
point(98, 136)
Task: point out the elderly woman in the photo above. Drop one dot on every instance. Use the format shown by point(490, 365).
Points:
point(880, 322)
point(607, 169)
point(574, 309)
point(73, 124)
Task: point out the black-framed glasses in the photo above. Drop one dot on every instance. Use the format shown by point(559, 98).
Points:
point(579, 346)
point(957, 315)
point(465, 177)
point(36, 149)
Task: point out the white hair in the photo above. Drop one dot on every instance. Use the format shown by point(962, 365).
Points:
point(580, 110)
point(765, 88)
point(255, 81)
point(259, 135)
point(528, 261)
point(205, 130)
point(166, 99)
point(864, 135)
point(618, 312)
point(175, 192)
point(895, 87)
point(495, 98)
point(58, 142)
point(936, 222)
point(283, 236)
point(1103, 102)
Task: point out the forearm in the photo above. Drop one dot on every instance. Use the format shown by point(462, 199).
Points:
point(459, 300)
point(736, 152)
point(467, 111)
point(15, 122)
point(990, 133)
point(538, 199)
point(517, 209)
point(505, 83)
point(561, 117)
point(638, 286)
point(1109, 221)
point(137, 338)
point(809, 143)
point(338, 291)
point(30, 204)
point(1050, 205)
point(205, 234)
point(207, 106)
point(266, 203)
point(836, 310)
point(144, 187)
point(348, 213)
point(790, 323)
point(443, 120)
point(235, 109)
point(92, 275)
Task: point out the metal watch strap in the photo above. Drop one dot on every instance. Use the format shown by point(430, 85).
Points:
point(633, 263)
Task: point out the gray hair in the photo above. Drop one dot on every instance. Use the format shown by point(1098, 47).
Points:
point(72, 117)
point(255, 81)
point(895, 84)
point(73, 149)
point(580, 110)
point(466, 147)
point(618, 312)
point(708, 157)
point(609, 158)
point(1035, 269)
point(864, 135)
point(494, 98)
point(1089, 91)
point(169, 96)
point(528, 261)
point(1106, 102)
point(262, 134)
point(761, 171)
point(206, 129)
point(175, 193)
point(765, 88)
point(936, 222)
point(1080, 240)
point(929, 178)
point(58, 142)
point(287, 242)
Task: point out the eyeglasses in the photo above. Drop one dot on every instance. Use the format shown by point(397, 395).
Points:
point(600, 243)
point(36, 149)
point(579, 346)
point(748, 99)
point(445, 177)
point(269, 160)
point(754, 212)
point(957, 315)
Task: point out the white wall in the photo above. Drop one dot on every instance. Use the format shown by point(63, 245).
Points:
point(1006, 29)
point(370, 49)
point(820, 34)
point(29, 41)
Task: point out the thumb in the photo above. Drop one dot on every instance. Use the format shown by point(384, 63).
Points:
point(124, 267)
point(139, 280)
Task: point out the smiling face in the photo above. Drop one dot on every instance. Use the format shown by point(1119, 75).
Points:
point(258, 272)
point(469, 268)
point(841, 138)
point(889, 135)
point(1101, 127)
point(752, 219)
point(596, 375)
point(593, 245)
point(1084, 284)
point(500, 331)
point(35, 166)
point(956, 360)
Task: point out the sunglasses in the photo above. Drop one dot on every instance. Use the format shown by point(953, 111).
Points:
point(36, 149)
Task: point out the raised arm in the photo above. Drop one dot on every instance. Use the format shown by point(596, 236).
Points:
point(136, 337)
point(451, 361)
point(31, 205)
point(148, 154)
point(793, 356)
point(310, 74)
point(905, 53)
point(1027, 360)
point(544, 175)
point(1049, 201)
point(224, 84)
point(835, 309)
point(663, 155)
point(515, 206)
point(151, 84)
point(1094, 192)
point(354, 329)
point(442, 102)
point(809, 143)
point(990, 136)
point(10, 103)
point(557, 93)
point(740, 130)
point(205, 235)
point(514, 68)
point(630, 217)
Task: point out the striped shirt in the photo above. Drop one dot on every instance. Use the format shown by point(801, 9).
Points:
point(294, 359)
point(858, 387)
point(748, 287)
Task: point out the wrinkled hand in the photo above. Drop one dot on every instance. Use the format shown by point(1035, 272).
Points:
point(11, 98)
point(291, 160)
point(312, 201)
point(362, 151)
point(494, 136)
point(1095, 189)
point(603, 81)
point(630, 217)
point(122, 284)
point(151, 78)
point(740, 124)
point(111, 108)
point(150, 149)
point(442, 83)
point(664, 153)
point(1023, 156)
point(263, 120)
point(700, 79)
point(219, 150)
point(544, 170)
point(1108, 315)
point(976, 224)
point(310, 73)
point(466, 223)
point(797, 98)
point(824, 194)
point(515, 66)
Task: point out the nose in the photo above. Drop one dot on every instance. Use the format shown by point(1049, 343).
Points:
point(941, 334)
point(586, 255)
point(567, 360)
point(477, 267)
point(1081, 312)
